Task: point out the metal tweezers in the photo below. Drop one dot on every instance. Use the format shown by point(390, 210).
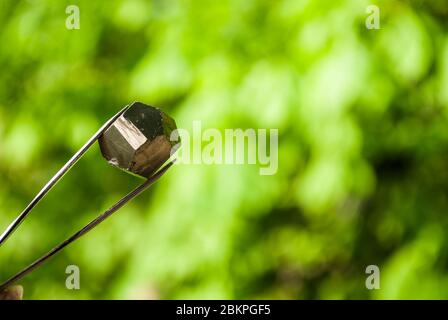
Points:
point(14, 225)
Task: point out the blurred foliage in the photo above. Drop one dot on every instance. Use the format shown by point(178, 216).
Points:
point(363, 147)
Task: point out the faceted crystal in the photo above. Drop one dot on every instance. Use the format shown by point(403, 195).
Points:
point(139, 140)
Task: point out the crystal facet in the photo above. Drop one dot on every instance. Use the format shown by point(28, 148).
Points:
point(139, 140)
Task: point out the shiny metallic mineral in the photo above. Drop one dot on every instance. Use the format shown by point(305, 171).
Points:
point(139, 140)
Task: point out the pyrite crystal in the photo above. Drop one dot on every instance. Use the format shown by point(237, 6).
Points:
point(139, 140)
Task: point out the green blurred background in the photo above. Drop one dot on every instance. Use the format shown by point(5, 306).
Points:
point(363, 147)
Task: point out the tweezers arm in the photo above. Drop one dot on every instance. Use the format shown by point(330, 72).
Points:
point(50, 184)
point(88, 227)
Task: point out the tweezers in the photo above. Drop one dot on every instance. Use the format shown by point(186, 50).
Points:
point(52, 182)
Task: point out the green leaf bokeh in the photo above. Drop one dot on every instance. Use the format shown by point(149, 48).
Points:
point(363, 147)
